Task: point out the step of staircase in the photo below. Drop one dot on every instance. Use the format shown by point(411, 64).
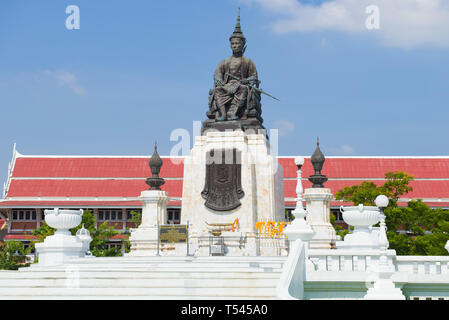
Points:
point(147, 278)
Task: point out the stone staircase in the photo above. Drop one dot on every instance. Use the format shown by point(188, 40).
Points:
point(167, 278)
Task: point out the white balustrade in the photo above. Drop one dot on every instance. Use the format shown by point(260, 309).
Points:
point(359, 261)
point(347, 260)
point(424, 265)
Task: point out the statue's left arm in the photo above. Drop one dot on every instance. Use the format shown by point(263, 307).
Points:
point(252, 73)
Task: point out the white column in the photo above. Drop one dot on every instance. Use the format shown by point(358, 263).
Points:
point(144, 240)
point(318, 216)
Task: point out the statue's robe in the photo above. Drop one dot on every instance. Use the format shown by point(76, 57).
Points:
point(232, 93)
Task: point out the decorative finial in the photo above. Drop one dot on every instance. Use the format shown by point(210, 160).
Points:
point(155, 166)
point(238, 30)
point(317, 160)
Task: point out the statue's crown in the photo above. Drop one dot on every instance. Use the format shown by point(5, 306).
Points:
point(237, 30)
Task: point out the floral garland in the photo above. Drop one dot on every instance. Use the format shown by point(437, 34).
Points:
point(270, 228)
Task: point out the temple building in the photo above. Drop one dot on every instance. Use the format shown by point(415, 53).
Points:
point(110, 186)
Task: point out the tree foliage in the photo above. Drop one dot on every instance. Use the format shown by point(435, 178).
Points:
point(413, 230)
point(136, 218)
point(396, 184)
point(13, 255)
point(339, 230)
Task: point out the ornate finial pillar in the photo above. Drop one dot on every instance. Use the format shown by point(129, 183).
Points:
point(318, 200)
point(317, 160)
point(144, 239)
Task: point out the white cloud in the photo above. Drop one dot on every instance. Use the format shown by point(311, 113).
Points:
point(403, 23)
point(344, 150)
point(67, 79)
point(285, 127)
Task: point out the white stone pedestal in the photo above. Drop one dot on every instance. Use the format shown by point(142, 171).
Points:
point(318, 208)
point(300, 229)
point(384, 289)
point(261, 180)
point(144, 239)
point(58, 249)
point(362, 218)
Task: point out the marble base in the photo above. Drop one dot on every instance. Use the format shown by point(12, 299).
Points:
point(261, 180)
point(318, 217)
point(58, 249)
point(362, 239)
point(144, 239)
point(144, 242)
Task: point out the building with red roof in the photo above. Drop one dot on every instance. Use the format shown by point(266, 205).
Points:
point(111, 185)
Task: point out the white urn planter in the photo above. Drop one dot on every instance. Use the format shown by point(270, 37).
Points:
point(361, 218)
point(59, 248)
point(63, 220)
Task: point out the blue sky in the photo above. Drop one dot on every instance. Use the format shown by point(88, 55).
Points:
point(136, 70)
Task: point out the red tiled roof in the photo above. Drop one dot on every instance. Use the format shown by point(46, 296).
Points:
point(119, 178)
point(365, 167)
point(78, 204)
point(421, 189)
point(109, 167)
point(15, 236)
point(119, 237)
point(87, 188)
point(94, 167)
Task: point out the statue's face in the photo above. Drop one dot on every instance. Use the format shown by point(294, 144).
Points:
point(236, 45)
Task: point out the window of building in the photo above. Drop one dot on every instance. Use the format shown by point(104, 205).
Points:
point(24, 215)
point(43, 213)
point(110, 245)
point(174, 216)
point(110, 214)
point(338, 215)
point(129, 216)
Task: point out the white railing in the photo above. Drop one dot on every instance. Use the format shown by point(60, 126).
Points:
point(347, 259)
point(291, 283)
point(431, 265)
point(272, 246)
point(365, 260)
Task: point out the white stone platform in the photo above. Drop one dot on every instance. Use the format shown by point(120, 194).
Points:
point(261, 181)
point(222, 278)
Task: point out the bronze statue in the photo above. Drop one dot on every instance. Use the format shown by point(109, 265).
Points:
point(234, 102)
point(235, 78)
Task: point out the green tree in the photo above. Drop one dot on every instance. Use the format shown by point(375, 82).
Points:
point(396, 184)
point(339, 230)
point(424, 230)
point(13, 255)
point(43, 231)
point(365, 193)
point(136, 218)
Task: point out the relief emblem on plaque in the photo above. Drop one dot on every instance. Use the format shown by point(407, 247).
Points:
point(223, 188)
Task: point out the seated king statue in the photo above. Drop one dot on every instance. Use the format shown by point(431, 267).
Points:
point(235, 98)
